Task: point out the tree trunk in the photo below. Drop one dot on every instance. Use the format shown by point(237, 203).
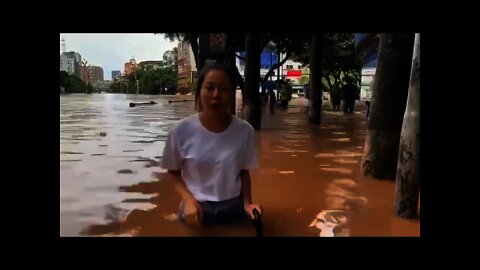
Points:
point(357, 74)
point(230, 61)
point(199, 61)
point(388, 102)
point(407, 186)
point(326, 86)
point(326, 76)
point(278, 68)
point(251, 104)
point(336, 78)
point(315, 101)
point(240, 81)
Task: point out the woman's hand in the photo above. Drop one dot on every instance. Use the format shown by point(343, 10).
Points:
point(193, 212)
point(249, 209)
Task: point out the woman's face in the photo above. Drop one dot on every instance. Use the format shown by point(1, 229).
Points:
point(216, 92)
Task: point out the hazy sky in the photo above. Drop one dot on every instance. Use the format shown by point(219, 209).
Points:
point(112, 51)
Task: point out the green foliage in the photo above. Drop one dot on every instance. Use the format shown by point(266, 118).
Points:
point(73, 84)
point(339, 58)
point(304, 80)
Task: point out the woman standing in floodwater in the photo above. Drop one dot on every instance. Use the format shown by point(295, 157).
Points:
point(208, 155)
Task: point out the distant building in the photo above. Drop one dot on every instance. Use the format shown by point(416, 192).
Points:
point(116, 74)
point(67, 64)
point(71, 62)
point(97, 73)
point(86, 74)
point(290, 70)
point(366, 47)
point(129, 67)
point(293, 71)
point(170, 57)
point(187, 69)
point(267, 59)
point(153, 64)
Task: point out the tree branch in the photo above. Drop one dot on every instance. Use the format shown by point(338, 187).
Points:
point(240, 81)
point(336, 77)
point(325, 86)
point(239, 57)
point(270, 72)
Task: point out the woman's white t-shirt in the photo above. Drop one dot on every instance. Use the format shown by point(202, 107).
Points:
point(211, 162)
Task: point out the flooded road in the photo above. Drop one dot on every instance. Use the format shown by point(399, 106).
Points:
point(105, 146)
point(108, 152)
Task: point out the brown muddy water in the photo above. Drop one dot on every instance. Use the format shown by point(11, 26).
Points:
point(108, 152)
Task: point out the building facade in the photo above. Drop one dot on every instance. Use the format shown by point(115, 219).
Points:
point(71, 62)
point(129, 68)
point(290, 70)
point(152, 64)
point(170, 58)
point(187, 68)
point(97, 73)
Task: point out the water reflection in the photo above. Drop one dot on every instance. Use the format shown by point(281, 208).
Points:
point(101, 135)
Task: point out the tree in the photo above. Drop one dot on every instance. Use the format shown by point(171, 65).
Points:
point(64, 78)
point(154, 80)
point(115, 87)
point(285, 43)
point(192, 38)
point(304, 79)
point(339, 58)
point(137, 73)
point(252, 111)
point(89, 89)
point(408, 169)
point(235, 42)
point(388, 102)
point(73, 84)
point(315, 101)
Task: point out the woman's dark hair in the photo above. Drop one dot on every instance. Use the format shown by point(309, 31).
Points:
point(220, 67)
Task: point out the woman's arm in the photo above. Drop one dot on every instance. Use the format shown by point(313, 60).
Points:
point(247, 194)
point(246, 187)
point(179, 184)
point(192, 208)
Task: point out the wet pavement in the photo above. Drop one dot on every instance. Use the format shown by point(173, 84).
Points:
point(108, 152)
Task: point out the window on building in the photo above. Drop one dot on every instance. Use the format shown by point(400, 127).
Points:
point(289, 67)
point(299, 66)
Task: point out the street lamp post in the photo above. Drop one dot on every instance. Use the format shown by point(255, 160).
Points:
point(138, 91)
point(271, 62)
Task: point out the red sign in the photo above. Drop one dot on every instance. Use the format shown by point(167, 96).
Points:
point(294, 73)
point(217, 42)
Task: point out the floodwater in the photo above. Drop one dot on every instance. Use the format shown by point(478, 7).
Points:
point(108, 152)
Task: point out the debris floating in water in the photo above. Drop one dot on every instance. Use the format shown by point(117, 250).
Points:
point(328, 220)
point(286, 172)
point(125, 171)
point(180, 100)
point(133, 104)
